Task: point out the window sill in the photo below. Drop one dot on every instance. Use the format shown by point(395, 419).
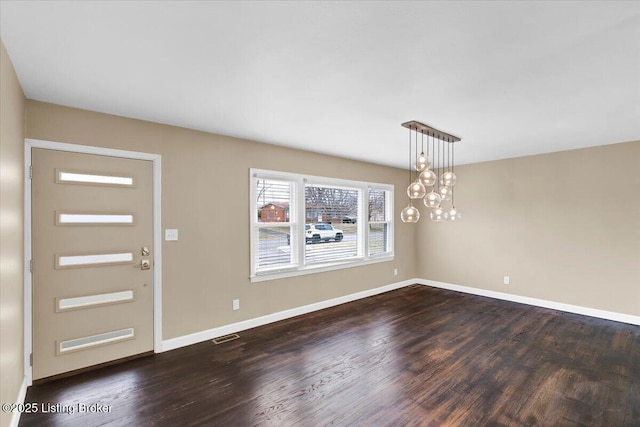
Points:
point(266, 276)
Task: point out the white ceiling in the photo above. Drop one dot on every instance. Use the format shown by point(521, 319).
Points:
point(510, 78)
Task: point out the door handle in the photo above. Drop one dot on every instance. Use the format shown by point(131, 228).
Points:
point(145, 264)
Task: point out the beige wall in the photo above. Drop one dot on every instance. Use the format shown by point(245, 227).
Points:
point(205, 194)
point(534, 218)
point(564, 226)
point(12, 104)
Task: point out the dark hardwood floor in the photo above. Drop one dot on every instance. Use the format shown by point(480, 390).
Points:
point(415, 356)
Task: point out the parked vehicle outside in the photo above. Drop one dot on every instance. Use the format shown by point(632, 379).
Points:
point(316, 233)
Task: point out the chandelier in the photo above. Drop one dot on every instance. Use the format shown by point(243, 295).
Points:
point(437, 194)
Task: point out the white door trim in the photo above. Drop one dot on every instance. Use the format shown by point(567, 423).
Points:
point(157, 236)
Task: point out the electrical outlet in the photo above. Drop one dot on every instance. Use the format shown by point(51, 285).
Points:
point(236, 304)
point(506, 280)
point(395, 271)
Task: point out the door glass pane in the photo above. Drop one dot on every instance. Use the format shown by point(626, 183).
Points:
point(91, 300)
point(94, 179)
point(94, 340)
point(69, 218)
point(79, 260)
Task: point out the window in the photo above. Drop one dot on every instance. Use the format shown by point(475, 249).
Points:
point(273, 237)
point(379, 222)
point(325, 208)
point(304, 224)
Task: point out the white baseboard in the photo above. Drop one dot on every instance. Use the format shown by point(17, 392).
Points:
point(22, 393)
point(586, 311)
point(209, 334)
point(197, 337)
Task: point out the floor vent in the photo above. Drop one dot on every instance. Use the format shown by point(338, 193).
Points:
point(226, 338)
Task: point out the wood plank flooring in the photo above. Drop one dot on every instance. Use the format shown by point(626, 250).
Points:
point(417, 356)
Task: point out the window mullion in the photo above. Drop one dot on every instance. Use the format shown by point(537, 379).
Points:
point(389, 216)
point(253, 220)
point(363, 205)
point(300, 221)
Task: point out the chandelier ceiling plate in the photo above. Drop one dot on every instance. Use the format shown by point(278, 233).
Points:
point(421, 127)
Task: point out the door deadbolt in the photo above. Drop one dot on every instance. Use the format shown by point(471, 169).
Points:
point(145, 264)
point(145, 251)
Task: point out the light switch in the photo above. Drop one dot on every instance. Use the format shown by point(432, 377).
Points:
point(171, 234)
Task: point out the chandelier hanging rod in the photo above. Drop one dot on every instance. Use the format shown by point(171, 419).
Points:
point(421, 127)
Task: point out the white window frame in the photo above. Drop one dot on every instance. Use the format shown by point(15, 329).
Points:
point(256, 225)
point(388, 215)
point(297, 222)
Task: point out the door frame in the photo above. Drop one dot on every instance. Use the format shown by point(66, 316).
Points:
point(156, 159)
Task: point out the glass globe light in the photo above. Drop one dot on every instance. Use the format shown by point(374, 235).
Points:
point(416, 190)
point(428, 178)
point(422, 162)
point(454, 214)
point(448, 179)
point(445, 193)
point(410, 214)
point(432, 200)
point(439, 214)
